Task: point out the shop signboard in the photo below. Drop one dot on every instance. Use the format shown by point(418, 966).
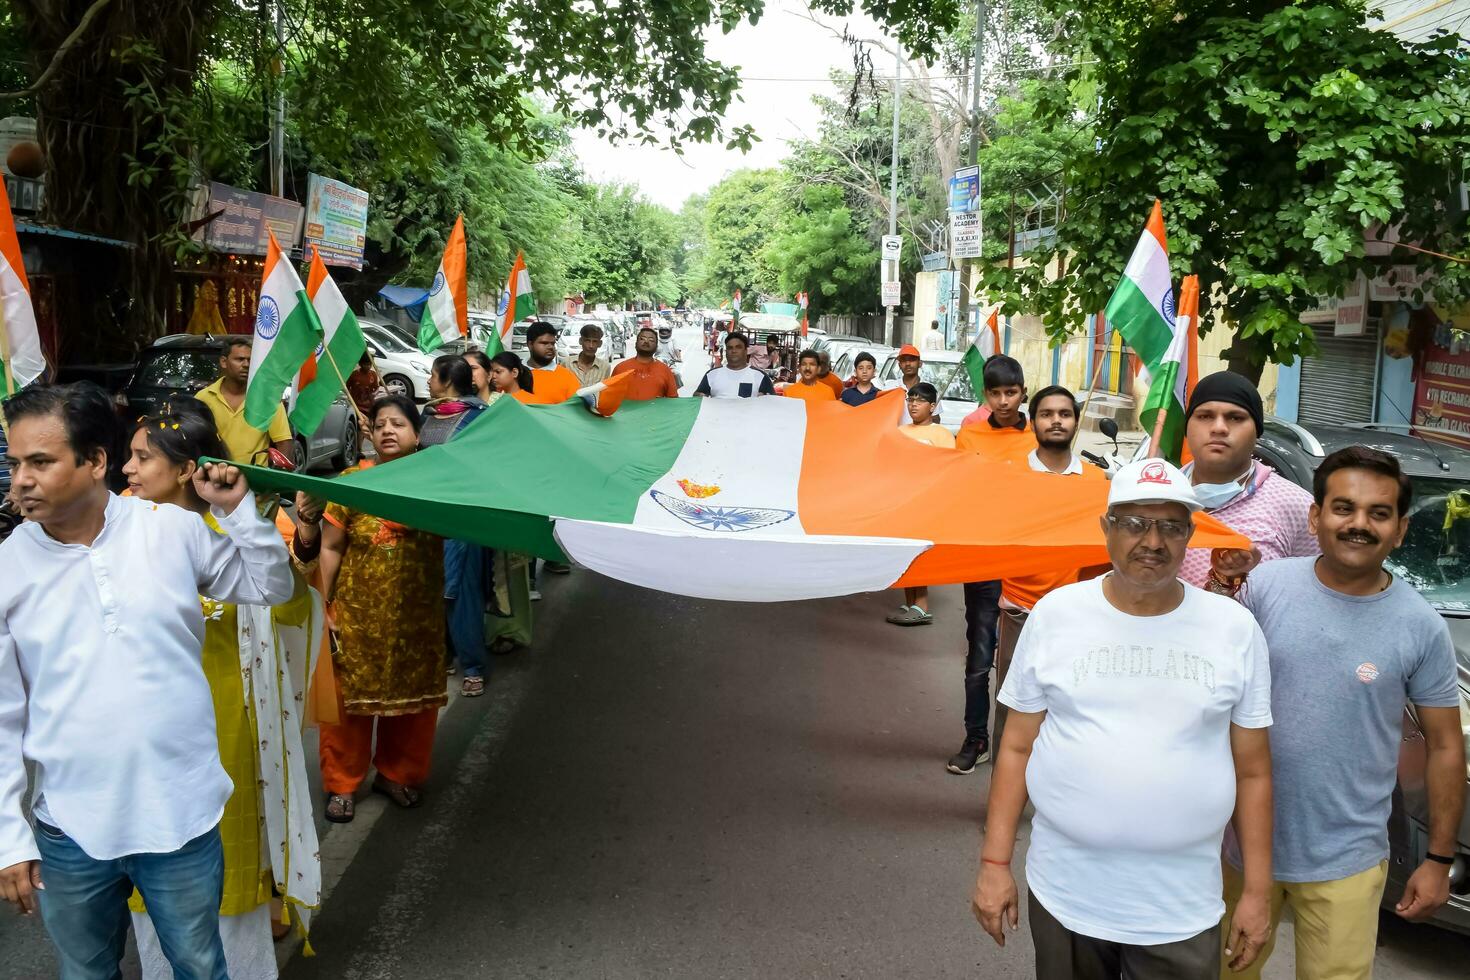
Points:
point(336, 220)
point(243, 219)
point(1442, 395)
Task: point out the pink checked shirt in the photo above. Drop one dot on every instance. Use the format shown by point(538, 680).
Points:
point(1272, 513)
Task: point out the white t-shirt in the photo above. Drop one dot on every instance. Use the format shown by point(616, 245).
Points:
point(1132, 775)
point(724, 382)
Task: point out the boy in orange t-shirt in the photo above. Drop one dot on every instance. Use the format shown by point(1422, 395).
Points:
point(808, 387)
point(1004, 437)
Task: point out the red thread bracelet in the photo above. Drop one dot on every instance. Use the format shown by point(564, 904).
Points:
point(1002, 864)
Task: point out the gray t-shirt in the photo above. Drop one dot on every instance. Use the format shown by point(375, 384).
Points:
point(1342, 668)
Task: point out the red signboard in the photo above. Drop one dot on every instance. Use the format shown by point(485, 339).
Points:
point(1442, 396)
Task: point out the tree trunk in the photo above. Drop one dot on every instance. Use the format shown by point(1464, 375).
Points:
point(1243, 356)
point(119, 157)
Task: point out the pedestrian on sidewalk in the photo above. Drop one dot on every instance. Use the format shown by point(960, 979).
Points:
point(267, 833)
point(736, 378)
point(1139, 708)
point(922, 400)
point(1224, 419)
point(864, 366)
point(587, 366)
point(386, 584)
point(452, 407)
point(555, 383)
point(102, 690)
point(1053, 415)
point(808, 387)
point(1351, 645)
point(652, 378)
point(1002, 437)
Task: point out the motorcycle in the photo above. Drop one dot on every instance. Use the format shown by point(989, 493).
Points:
point(1109, 463)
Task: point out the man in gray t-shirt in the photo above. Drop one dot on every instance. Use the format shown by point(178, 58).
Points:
point(1350, 645)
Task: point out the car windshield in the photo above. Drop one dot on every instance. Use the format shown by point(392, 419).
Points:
point(386, 339)
point(1435, 555)
point(190, 369)
point(937, 373)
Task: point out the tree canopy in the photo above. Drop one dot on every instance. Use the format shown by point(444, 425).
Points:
point(1282, 139)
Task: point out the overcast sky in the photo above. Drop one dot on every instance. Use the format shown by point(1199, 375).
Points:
point(784, 45)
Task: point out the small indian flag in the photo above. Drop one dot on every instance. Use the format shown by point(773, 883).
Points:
point(446, 313)
point(1168, 390)
point(1142, 304)
point(286, 332)
point(325, 370)
point(20, 342)
point(517, 302)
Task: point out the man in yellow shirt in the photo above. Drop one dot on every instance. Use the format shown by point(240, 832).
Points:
point(807, 387)
point(225, 400)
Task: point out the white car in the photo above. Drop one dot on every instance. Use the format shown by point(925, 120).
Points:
point(569, 343)
point(403, 368)
point(943, 370)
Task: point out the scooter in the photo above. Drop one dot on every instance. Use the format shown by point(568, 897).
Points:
point(1109, 463)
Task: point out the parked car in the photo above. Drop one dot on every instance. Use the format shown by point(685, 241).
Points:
point(402, 367)
point(187, 363)
point(1435, 559)
point(941, 368)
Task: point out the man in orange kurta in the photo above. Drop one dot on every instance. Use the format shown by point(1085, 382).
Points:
point(808, 387)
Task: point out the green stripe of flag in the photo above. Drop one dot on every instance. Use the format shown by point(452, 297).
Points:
point(1140, 322)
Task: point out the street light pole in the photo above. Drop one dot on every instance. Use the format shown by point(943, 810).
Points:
point(963, 313)
point(888, 324)
point(278, 118)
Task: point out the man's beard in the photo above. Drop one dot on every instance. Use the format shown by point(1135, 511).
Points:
point(1052, 440)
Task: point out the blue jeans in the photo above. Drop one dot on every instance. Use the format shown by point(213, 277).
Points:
point(466, 582)
point(85, 905)
point(982, 610)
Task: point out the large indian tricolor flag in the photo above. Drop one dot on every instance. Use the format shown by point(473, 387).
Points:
point(446, 313)
point(286, 332)
point(21, 359)
point(751, 499)
point(324, 373)
point(517, 302)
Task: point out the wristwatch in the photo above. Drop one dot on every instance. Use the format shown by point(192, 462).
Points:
point(1438, 858)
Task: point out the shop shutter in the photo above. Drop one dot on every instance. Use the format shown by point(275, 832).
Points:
point(1337, 383)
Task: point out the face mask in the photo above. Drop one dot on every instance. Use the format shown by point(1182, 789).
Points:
point(1213, 496)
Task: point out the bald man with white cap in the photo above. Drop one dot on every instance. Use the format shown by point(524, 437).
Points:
point(1139, 709)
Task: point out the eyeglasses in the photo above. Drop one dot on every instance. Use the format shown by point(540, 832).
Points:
point(1137, 527)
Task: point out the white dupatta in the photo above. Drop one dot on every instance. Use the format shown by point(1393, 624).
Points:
point(276, 664)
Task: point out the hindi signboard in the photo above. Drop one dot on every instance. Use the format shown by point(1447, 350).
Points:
point(243, 218)
point(336, 220)
point(1442, 396)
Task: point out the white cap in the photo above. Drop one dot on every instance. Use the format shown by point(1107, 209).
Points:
point(1152, 481)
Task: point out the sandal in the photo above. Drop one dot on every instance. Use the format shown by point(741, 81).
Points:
point(472, 687)
point(402, 796)
point(503, 644)
point(912, 616)
point(340, 808)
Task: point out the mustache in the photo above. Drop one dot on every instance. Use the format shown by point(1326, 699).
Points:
point(1356, 536)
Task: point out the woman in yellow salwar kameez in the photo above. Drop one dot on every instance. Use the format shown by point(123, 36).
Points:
point(256, 661)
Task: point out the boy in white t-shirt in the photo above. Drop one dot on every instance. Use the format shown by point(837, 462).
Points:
point(736, 379)
point(1139, 709)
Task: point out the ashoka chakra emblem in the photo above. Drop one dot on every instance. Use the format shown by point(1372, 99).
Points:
point(267, 319)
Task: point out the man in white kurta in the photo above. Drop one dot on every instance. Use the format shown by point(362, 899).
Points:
point(102, 691)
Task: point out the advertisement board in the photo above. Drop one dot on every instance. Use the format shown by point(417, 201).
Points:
point(1442, 395)
point(964, 234)
point(964, 190)
point(336, 220)
point(243, 218)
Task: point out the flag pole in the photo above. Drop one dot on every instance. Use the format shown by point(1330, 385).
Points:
point(362, 422)
point(1092, 388)
point(9, 374)
point(1158, 433)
